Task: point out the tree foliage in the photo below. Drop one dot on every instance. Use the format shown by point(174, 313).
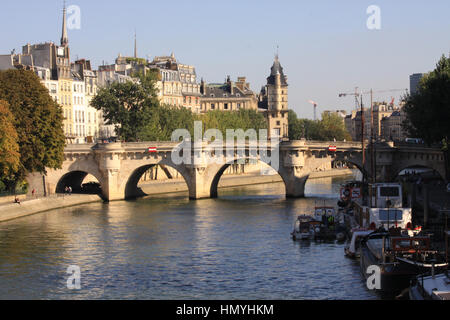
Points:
point(244, 119)
point(128, 105)
point(135, 110)
point(329, 128)
point(9, 155)
point(37, 120)
point(428, 111)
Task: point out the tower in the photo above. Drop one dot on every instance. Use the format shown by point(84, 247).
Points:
point(277, 101)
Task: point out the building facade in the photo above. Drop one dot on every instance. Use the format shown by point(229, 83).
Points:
point(414, 82)
point(229, 96)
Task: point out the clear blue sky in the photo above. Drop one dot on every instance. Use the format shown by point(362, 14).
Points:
point(325, 46)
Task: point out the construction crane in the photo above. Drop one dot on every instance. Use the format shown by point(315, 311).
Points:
point(315, 108)
point(359, 95)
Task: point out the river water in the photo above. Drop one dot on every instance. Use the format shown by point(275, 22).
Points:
point(235, 247)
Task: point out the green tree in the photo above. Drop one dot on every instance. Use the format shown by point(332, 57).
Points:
point(9, 155)
point(129, 105)
point(38, 121)
point(329, 128)
point(296, 126)
point(244, 119)
point(428, 111)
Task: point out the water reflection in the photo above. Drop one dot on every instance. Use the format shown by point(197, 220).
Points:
point(235, 247)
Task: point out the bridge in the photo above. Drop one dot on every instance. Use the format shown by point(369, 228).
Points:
point(118, 167)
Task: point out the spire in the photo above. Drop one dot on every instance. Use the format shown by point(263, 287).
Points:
point(135, 44)
point(64, 37)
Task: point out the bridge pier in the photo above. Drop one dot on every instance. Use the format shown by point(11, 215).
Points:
point(295, 183)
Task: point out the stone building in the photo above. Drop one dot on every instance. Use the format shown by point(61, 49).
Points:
point(178, 84)
point(392, 126)
point(381, 110)
point(273, 101)
point(229, 96)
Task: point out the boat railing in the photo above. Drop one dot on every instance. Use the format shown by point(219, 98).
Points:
point(410, 245)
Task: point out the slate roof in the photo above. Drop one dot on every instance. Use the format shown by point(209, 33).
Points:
point(276, 68)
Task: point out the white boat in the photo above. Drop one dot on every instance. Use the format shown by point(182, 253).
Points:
point(383, 209)
point(434, 287)
point(303, 229)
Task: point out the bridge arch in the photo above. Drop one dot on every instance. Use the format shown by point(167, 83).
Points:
point(217, 171)
point(131, 179)
point(73, 179)
point(401, 168)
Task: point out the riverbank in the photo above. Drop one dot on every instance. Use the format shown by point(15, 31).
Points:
point(12, 211)
point(30, 207)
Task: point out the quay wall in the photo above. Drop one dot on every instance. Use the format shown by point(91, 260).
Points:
point(13, 210)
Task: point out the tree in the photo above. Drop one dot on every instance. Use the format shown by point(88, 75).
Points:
point(428, 111)
point(38, 121)
point(129, 105)
point(329, 128)
point(244, 119)
point(9, 155)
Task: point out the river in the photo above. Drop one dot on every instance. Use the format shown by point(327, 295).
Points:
point(235, 247)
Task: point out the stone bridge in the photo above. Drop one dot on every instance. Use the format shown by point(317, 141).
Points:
point(118, 167)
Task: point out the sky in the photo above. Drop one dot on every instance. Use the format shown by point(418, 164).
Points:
point(325, 46)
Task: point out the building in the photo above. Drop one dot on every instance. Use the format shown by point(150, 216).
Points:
point(392, 126)
point(372, 128)
point(52, 85)
point(273, 101)
point(82, 69)
point(414, 82)
point(229, 96)
point(178, 85)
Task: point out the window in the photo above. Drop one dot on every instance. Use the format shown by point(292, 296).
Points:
point(213, 106)
point(389, 192)
point(225, 106)
point(391, 215)
point(278, 123)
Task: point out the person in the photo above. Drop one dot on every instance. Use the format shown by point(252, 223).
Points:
point(66, 189)
point(17, 200)
point(33, 192)
point(70, 190)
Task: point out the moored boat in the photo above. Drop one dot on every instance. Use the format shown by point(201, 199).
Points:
point(434, 287)
point(303, 229)
point(394, 255)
